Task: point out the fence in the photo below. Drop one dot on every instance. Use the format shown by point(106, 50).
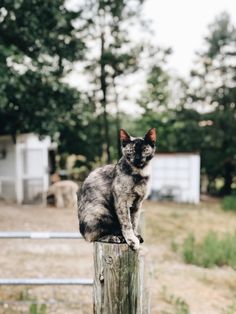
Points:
point(43, 281)
point(119, 282)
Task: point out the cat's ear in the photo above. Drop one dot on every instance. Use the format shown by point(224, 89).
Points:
point(151, 136)
point(124, 136)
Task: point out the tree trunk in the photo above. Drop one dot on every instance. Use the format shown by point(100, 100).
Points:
point(228, 178)
point(104, 98)
point(119, 153)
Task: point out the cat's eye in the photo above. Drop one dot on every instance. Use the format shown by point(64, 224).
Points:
point(130, 150)
point(146, 149)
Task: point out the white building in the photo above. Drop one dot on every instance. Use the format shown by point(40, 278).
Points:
point(24, 167)
point(176, 176)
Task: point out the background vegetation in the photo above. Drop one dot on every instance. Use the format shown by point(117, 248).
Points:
point(40, 45)
point(212, 251)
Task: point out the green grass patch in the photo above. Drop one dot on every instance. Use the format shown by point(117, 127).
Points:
point(230, 309)
point(179, 305)
point(229, 203)
point(37, 309)
point(34, 308)
point(212, 251)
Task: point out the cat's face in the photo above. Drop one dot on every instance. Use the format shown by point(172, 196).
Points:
point(138, 151)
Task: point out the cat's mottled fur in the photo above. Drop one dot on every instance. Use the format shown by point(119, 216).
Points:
point(110, 198)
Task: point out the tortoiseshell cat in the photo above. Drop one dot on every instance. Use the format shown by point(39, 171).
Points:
point(110, 198)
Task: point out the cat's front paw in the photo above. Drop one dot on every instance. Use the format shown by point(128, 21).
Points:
point(140, 238)
point(112, 239)
point(133, 243)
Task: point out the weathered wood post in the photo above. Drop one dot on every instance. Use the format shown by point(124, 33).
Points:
point(119, 280)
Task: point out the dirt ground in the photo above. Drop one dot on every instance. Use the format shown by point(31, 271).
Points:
point(176, 288)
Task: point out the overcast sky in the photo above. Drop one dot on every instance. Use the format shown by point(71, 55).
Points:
point(178, 24)
point(182, 24)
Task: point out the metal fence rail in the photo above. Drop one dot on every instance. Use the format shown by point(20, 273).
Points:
point(46, 282)
point(43, 281)
point(40, 235)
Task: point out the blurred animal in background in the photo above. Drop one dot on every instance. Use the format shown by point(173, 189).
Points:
point(64, 193)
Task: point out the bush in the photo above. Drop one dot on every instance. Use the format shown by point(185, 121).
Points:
point(229, 203)
point(211, 251)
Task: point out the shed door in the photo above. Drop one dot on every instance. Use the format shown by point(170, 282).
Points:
point(33, 174)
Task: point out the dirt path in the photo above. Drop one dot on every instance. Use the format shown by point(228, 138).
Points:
point(175, 286)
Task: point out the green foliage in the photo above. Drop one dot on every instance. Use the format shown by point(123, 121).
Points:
point(82, 134)
point(212, 251)
point(109, 26)
point(37, 47)
point(177, 130)
point(156, 95)
point(229, 203)
point(184, 127)
point(177, 127)
point(180, 306)
point(36, 309)
point(230, 309)
point(218, 97)
point(188, 250)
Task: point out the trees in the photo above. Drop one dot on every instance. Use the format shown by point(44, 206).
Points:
point(215, 91)
point(155, 97)
point(177, 126)
point(39, 44)
point(37, 47)
point(113, 54)
point(80, 134)
point(204, 117)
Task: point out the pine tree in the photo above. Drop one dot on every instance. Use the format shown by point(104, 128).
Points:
point(112, 55)
point(214, 82)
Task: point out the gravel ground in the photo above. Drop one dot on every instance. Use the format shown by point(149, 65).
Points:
point(174, 286)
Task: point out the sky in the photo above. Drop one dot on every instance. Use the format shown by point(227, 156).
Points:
point(178, 24)
point(182, 25)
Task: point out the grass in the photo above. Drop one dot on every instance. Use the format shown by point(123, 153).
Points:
point(34, 308)
point(37, 309)
point(230, 309)
point(179, 305)
point(212, 251)
point(229, 203)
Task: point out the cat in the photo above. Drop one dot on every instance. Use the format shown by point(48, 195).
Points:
point(64, 192)
point(110, 198)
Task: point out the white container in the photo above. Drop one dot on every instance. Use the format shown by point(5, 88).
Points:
point(176, 176)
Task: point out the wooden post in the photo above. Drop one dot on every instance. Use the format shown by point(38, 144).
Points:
point(119, 280)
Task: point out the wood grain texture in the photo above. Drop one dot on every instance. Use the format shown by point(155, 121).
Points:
point(119, 280)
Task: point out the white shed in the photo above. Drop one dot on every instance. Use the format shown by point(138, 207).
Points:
point(176, 176)
point(24, 167)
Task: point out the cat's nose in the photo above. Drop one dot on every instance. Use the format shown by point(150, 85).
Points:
point(137, 160)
